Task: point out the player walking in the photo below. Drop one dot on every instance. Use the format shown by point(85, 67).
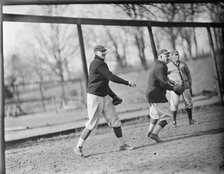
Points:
point(180, 74)
point(158, 83)
point(99, 102)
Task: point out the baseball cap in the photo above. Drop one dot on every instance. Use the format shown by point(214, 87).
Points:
point(163, 51)
point(174, 52)
point(99, 48)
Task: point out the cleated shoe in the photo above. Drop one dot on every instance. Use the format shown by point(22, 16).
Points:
point(155, 137)
point(148, 134)
point(174, 124)
point(78, 151)
point(192, 122)
point(126, 147)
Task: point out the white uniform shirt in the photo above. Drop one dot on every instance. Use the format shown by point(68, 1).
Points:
point(180, 74)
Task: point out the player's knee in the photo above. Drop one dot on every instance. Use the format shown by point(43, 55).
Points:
point(153, 121)
point(163, 123)
point(189, 106)
point(118, 131)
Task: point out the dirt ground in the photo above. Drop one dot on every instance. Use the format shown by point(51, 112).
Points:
point(186, 150)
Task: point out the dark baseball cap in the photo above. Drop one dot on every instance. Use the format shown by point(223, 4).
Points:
point(163, 51)
point(99, 48)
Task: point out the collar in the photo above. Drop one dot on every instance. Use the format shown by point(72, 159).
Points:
point(99, 58)
point(177, 63)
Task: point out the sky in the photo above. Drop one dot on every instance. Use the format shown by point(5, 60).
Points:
point(10, 29)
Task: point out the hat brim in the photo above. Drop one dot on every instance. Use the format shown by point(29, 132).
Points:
point(165, 53)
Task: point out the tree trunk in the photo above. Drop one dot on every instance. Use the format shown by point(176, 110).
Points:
point(195, 42)
point(140, 46)
point(172, 39)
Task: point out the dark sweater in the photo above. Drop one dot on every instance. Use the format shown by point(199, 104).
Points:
point(99, 77)
point(158, 83)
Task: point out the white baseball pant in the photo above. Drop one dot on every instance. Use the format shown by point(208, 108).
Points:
point(160, 111)
point(175, 100)
point(97, 107)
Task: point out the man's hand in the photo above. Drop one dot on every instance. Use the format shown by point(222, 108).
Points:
point(131, 84)
point(116, 100)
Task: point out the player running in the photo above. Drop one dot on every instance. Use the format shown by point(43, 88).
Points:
point(158, 83)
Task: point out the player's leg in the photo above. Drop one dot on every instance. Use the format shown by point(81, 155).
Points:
point(84, 135)
point(159, 126)
point(188, 105)
point(174, 103)
point(154, 117)
point(165, 116)
point(152, 124)
point(94, 109)
point(113, 121)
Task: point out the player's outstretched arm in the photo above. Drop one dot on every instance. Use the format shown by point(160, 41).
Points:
point(104, 70)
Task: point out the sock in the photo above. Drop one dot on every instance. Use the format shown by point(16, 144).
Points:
point(174, 116)
point(151, 127)
point(85, 133)
point(189, 113)
point(157, 129)
point(121, 141)
point(80, 142)
point(118, 131)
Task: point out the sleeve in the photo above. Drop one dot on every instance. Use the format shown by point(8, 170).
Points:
point(188, 74)
point(104, 70)
point(171, 82)
point(161, 74)
point(111, 93)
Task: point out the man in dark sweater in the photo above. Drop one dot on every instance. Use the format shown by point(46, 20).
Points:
point(158, 83)
point(99, 101)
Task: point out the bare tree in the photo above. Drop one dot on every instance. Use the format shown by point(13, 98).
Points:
point(18, 68)
point(18, 72)
point(216, 14)
point(54, 44)
point(53, 48)
point(137, 12)
point(116, 43)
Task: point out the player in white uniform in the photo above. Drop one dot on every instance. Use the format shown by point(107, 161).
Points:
point(180, 74)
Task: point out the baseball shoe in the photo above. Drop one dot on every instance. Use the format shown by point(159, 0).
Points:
point(148, 134)
point(78, 151)
point(193, 122)
point(174, 124)
point(126, 147)
point(155, 137)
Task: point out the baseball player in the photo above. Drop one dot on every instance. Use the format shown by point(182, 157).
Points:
point(158, 83)
point(99, 101)
point(180, 74)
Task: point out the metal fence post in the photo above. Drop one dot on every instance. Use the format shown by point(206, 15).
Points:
point(215, 63)
point(2, 104)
